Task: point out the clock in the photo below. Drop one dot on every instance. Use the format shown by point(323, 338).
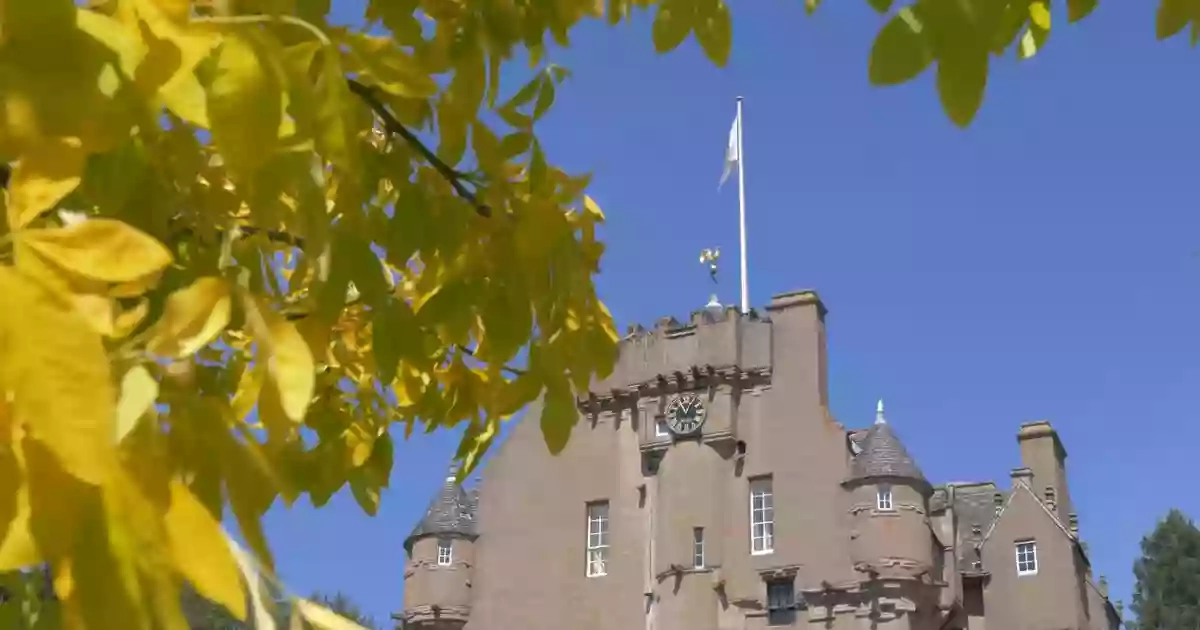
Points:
point(685, 414)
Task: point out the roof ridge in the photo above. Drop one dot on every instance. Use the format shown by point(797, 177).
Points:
point(1040, 503)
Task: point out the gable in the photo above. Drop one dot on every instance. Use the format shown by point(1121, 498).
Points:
point(1024, 516)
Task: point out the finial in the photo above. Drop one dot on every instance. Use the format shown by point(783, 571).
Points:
point(710, 257)
point(879, 419)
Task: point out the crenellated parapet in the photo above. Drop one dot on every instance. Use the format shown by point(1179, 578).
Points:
point(715, 343)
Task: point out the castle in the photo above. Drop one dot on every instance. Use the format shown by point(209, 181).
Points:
point(707, 487)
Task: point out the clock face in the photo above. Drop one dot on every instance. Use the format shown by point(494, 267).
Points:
point(685, 414)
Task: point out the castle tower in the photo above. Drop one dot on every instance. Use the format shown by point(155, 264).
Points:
point(890, 533)
point(441, 560)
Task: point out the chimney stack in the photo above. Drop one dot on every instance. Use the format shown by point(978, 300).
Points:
point(1043, 454)
point(798, 341)
point(1023, 475)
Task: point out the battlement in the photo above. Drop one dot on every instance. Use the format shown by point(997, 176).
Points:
point(713, 339)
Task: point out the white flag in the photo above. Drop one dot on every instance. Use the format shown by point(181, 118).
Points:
point(731, 153)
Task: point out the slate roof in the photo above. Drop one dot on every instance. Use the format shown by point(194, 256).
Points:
point(883, 455)
point(976, 506)
point(452, 511)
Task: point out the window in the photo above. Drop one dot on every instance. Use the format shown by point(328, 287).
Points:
point(698, 547)
point(1027, 558)
point(762, 516)
point(660, 427)
point(781, 602)
point(597, 539)
point(445, 552)
point(883, 499)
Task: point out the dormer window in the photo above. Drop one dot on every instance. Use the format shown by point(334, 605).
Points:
point(445, 552)
point(660, 427)
point(883, 499)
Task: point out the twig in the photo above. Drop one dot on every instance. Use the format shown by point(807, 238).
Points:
point(504, 368)
point(393, 126)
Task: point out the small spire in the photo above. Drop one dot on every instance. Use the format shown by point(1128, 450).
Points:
point(712, 302)
point(879, 419)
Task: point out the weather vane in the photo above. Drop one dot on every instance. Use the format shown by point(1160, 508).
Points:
point(710, 257)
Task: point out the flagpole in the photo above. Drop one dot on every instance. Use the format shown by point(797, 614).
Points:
point(741, 164)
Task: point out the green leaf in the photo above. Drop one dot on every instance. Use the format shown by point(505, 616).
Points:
point(714, 31)
point(364, 268)
point(453, 126)
point(335, 140)
point(559, 415)
point(881, 6)
point(810, 6)
point(672, 24)
point(545, 97)
point(1011, 22)
point(901, 50)
point(393, 332)
point(961, 80)
point(1173, 15)
point(1079, 9)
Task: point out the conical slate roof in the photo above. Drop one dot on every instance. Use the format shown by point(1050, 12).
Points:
point(883, 455)
point(452, 511)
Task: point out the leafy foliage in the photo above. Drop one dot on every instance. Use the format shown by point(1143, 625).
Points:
point(230, 264)
point(1166, 595)
point(341, 604)
point(230, 261)
point(962, 37)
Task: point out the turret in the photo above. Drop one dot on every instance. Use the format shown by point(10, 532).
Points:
point(441, 559)
point(889, 501)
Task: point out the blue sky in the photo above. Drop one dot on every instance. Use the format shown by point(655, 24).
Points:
point(1044, 264)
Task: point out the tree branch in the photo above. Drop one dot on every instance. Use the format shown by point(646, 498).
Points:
point(395, 127)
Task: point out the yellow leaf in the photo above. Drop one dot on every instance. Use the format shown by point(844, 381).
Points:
point(289, 362)
point(136, 288)
point(245, 103)
point(323, 618)
point(97, 309)
point(593, 208)
point(105, 250)
point(17, 548)
point(246, 564)
point(201, 552)
point(47, 172)
point(361, 443)
point(139, 390)
point(57, 371)
point(249, 387)
point(129, 319)
point(192, 318)
point(178, 87)
point(1039, 14)
point(390, 67)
